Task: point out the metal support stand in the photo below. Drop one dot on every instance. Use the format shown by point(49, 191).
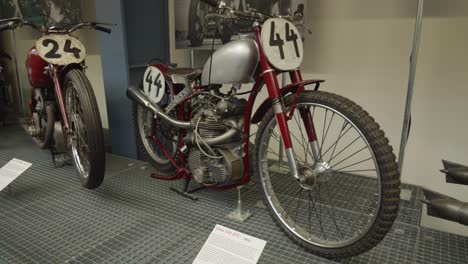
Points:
point(409, 97)
point(239, 214)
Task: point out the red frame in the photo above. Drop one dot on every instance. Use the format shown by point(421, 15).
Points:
point(268, 76)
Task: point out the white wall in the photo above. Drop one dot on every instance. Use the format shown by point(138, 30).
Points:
point(25, 39)
point(362, 49)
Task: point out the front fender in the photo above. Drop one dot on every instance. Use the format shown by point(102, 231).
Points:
point(290, 89)
point(69, 67)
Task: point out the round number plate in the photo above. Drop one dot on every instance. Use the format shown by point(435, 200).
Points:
point(282, 44)
point(60, 49)
point(154, 85)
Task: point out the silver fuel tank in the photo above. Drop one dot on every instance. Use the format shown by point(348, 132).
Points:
point(233, 63)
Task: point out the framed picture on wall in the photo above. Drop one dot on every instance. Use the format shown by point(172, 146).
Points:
point(193, 30)
point(8, 9)
point(43, 12)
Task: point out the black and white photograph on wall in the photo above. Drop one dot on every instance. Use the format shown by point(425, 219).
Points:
point(8, 9)
point(193, 30)
point(43, 12)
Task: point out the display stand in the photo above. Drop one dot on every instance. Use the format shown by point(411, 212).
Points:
point(409, 96)
point(239, 214)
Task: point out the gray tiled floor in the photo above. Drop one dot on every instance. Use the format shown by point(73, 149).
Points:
point(49, 218)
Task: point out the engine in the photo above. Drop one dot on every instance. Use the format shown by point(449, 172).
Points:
point(216, 147)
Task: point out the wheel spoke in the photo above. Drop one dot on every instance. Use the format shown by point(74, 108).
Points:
point(323, 131)
point(297, 208)
point(339, 135)
point(290, 202)
point(354, 164)
point(317, 196)
point(333, 217)
point(344, 149)
point(318, 217)
point(336, 142)
point(350, 156)
point(326, 134)
point(333, 207)
point(351, 171)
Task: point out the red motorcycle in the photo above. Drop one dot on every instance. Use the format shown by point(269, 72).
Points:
point(326, 170)
point(64, 112)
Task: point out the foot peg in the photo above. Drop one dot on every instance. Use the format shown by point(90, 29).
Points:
point(455, 173)
point(445, 207)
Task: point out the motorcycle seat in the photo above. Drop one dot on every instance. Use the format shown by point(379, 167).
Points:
point(182, 75)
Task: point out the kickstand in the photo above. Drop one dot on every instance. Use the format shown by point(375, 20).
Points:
point(239, 214)
point(59, 159)
point(188, 193)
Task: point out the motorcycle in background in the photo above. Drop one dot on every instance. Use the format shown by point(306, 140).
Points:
point(325, 168)
point(64, 112)
point(202, 25)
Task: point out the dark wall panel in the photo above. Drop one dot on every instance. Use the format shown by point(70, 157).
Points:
point(141, 33)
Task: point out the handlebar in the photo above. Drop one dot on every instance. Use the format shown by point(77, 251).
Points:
point(94, 25)
point(12, 23)
point(213, 3)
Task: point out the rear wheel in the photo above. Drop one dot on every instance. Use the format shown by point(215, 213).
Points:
point(348, 195)
point(86, 138)
point(43, 119)
point(146, 126)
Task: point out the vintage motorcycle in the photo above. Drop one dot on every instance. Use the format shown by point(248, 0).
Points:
point(64, 112)
point(326, 170)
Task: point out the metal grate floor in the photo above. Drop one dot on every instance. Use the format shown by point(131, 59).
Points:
point(49, 218)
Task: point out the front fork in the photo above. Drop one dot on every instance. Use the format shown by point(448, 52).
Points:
point(307, 118)
point(282, 119)
point(59, 96)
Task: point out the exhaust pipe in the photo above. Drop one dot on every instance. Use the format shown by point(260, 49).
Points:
point(135, 94)
point(445, 207)
point(455, 173)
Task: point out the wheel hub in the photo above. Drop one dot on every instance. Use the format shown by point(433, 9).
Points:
point(309, 178)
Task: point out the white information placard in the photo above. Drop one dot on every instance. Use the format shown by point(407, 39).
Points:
point(11, 171)
point(225, 245)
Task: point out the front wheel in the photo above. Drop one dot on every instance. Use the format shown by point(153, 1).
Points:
point(348, 195)
point(85, 137)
